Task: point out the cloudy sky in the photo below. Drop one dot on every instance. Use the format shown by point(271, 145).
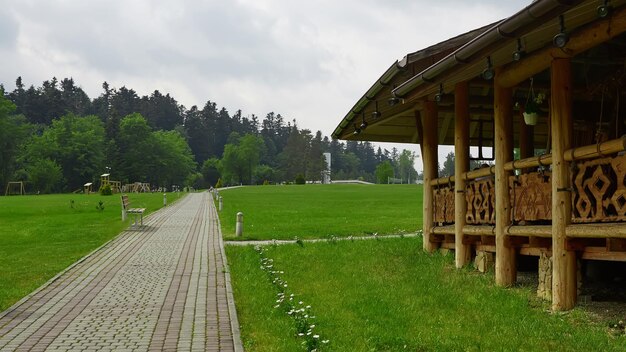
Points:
point(308, 60)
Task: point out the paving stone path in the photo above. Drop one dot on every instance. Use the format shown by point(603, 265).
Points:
point(160, 287)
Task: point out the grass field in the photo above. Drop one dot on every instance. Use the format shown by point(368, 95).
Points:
point(388, 295)
point(42, 235)
point(321, 211)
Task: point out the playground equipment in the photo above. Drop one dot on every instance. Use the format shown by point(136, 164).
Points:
point(15, 188)
point(116, 186)
point(104, 179)
point(87, 187)
point(136, 187)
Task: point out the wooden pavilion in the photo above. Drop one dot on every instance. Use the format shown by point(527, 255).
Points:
point(562, 197)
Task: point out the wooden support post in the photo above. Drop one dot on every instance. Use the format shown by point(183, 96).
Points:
point(526, 149)
point(506, 272)
point(564, 261)
point(431, 169)
point(461, 165)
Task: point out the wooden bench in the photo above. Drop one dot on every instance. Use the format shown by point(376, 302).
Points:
point(126, 209)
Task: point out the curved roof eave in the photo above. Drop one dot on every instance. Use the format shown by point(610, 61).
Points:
point(400, 65)
point(505, 29)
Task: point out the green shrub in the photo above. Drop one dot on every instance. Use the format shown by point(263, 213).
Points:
point(219, 183)
point(266, 183)
point(105, 190)
point(300, 179)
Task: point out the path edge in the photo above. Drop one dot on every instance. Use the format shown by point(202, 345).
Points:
point(62, 272)
point(56, 277)
point(232, 310)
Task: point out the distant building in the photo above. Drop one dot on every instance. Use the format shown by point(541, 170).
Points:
point(326, 173)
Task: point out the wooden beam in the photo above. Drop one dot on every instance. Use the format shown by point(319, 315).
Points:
point(614, 230)
point(489, 240)
point(482, 172)
point(544, 231)
point(531, 251)
point(419, 129)
point(600, 253)
point(442, 181)
point(472, 111)
point(564, 261)
point(539, 242)
point(470, 240)
point(596, 150)
point(443, 230)
point(462, 252)
point(479, 230)
point(447, 245)
point(445, 126)
point(616, 245)
point(582, 40)
point(436, 238)
point(486, 248)
point(506, 273)
point(517, 241)
point(431, 168)
point(533, 161)
point(385, 119)
point(379, 138)
point(579, 244)
point(475, 100)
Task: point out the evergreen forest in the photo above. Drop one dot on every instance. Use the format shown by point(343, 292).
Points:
point(55, 138)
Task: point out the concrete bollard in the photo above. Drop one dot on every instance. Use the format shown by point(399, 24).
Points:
point(164, 199)
point(220, 204)
point(239, 225)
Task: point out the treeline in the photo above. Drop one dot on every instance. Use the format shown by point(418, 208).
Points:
point(56, 138)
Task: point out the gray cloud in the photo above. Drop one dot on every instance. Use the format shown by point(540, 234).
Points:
point(8, 29)
point(308, 60)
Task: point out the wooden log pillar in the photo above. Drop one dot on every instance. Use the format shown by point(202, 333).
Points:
point(564, 261)
point(506, 272)
point(461, 165)
point(526, 149)
point(431, 169)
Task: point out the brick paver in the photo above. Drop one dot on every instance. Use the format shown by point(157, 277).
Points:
point(161, 287)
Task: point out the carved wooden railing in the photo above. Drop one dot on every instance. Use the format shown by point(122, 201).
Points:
point(599, 190)
point(481, 201)
point(479, 195)
point(531, 196)
point(443, 198)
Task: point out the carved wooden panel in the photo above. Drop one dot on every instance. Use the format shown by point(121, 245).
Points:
point(599, 192)
point(531, 196)
point(481, 200)
point(444, 205)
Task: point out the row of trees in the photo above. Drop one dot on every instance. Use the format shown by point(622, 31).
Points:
point(57, 138)
point(447, 167)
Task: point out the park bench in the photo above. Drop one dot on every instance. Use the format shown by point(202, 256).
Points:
point(126, 209)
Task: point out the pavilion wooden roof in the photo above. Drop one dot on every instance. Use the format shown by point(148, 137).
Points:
point(390, 108)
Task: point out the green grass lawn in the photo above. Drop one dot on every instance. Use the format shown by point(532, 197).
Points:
point(388, 295)
point(42, 235)
point(321, 211)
